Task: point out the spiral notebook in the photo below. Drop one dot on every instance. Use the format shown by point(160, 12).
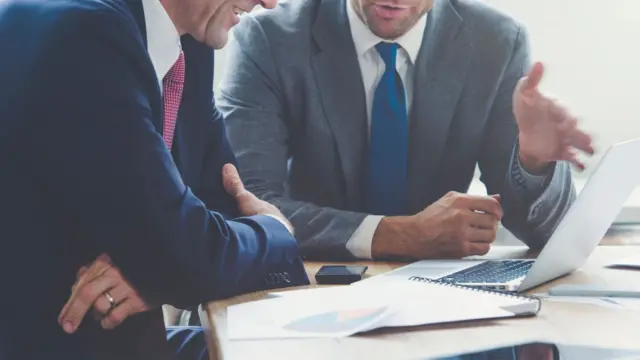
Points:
point(515, 303)
point(454, 302)
point(346, 310)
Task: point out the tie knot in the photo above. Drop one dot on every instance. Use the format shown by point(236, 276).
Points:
point(388, 53)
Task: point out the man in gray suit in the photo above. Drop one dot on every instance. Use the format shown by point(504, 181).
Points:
point(363, 121)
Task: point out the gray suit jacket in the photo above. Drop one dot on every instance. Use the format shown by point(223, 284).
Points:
point(294, 103)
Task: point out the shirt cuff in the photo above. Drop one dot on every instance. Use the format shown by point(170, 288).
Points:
point(359, 245)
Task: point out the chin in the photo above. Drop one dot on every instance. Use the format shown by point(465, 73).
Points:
point(217, 40)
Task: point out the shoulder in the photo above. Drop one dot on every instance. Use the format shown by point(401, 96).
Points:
point(288, 23)
point(490, 26)
point(70, 21)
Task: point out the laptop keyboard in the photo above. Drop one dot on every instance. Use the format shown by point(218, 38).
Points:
point(494, 271)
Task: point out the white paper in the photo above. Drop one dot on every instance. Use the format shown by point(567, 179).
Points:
point(627, 303)
point(630, 262)
point(345, 310)
point(318, 315)
point(607, 302)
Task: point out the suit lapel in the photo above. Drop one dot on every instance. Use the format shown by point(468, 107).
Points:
point(441, 69)
point(341, 91)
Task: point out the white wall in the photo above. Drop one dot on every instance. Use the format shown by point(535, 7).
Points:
point(592, 52)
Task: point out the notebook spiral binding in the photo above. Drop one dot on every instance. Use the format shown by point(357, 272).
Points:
point(497, 292)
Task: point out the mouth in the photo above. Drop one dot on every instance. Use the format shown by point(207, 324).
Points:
point(388, 10)
point(239, 11)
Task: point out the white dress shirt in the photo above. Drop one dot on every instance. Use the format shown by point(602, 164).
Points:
point(163, 39)
point(372, 68)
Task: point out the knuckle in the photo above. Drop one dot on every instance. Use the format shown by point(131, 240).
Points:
point(101, 306)
point(87, 293)
point(458, 215)
point(115, 318)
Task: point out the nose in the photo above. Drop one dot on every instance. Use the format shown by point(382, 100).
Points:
point(268, 4)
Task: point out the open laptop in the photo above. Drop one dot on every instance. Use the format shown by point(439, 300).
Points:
point(573, 241)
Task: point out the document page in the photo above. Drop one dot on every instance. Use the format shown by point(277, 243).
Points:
point(346, 310)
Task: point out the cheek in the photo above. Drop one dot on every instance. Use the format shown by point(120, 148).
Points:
point(217, 29)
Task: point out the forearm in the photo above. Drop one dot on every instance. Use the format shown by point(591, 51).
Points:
point(533, 205)
point(394, 238)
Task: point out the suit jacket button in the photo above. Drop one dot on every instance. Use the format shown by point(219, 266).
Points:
point(286, 277)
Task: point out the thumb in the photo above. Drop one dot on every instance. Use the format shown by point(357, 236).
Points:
point(231, 180)
point(81, 272)
point(533, 79)
point(497, 197)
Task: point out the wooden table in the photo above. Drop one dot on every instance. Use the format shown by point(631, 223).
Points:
point(557, 322)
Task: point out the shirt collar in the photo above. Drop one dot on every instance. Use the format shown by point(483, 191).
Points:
point(163, 40)
point(364, 39)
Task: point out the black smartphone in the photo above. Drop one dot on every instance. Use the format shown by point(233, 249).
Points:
point(340, 274)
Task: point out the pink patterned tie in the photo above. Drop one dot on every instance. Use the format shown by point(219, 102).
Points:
point(172, 86)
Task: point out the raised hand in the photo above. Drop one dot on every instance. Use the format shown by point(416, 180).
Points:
point(547, 131)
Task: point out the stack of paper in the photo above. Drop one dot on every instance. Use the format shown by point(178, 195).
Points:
point(346, 310)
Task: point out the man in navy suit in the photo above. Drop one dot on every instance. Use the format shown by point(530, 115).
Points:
point(110, 144)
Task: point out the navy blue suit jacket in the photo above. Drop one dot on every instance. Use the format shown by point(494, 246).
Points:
point(85, 171)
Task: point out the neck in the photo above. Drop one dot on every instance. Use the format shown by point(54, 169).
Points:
point(172, 8)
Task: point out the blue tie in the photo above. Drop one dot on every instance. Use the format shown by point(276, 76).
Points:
point(386, 184)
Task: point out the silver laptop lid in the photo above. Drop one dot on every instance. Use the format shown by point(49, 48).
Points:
point(588, 219)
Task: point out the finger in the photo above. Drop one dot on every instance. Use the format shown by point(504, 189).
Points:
point(81, 271)
point(533, 79)
point(581, 141)
point(82, 299)
point(97, 268)
point(483, 220)
point(231, 180)
point(476, 248)
point(559, 113)
point(497, 197)
point(486, 204)
point(119, 293)
point(570, 156)
point(480, 235)
point(120, 313)
point(578, 164)
point(575, 137)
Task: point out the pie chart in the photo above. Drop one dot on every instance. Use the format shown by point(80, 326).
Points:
point(335, 321)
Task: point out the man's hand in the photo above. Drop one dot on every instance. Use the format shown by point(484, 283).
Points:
point(455, 226)
point(248, 203)
point(547, 132)
point(100, 287)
